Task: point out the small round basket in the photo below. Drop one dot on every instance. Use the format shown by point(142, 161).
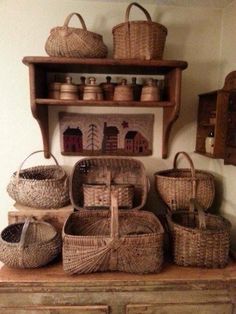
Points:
point(40, 186)
point(29, 245)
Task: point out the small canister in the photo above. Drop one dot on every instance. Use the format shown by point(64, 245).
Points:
point(150, 92)
point(137, 89)
point(92, 91)
point(108, 89)
point(123, 92)
point(81, 87)
point(54, 90)
point(68, 90)
point(210, 143)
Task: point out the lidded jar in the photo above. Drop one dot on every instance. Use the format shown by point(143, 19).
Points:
point(108, 89)
point(150, 91)
point(137, 89)
point(68, 90)
point(92, 91)
point(81, 87)
point(123, 92)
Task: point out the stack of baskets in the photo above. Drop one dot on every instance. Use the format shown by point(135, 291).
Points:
point(96, 239)
point(198, 239)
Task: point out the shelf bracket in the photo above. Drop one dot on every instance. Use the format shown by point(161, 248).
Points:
point(170, 114)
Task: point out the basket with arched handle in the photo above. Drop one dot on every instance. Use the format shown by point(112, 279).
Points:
point(30, 244)
point(199, 239)
point(177, 186)
point(68, 41)
point(115, 240)
point(138, 39)
point(40, 186)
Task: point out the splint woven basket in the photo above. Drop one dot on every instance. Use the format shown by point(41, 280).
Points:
point(143, 40)
point(29, 245)
point(68, 41)
point(40, 186)
point(92, 180)
point(199, 239)
point(128, 241)
point(177, 186)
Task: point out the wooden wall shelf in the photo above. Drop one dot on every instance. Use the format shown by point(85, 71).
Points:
point(40, 68)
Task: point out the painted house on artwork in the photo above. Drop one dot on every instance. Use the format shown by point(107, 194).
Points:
point(135, 142)
point(110, 139)
point(73, 140)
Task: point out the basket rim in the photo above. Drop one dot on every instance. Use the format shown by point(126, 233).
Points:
point(226, 226)
point(162, 174)
point(16, 244)
point(140, 22)
point(76, 28)
point(103, 213)
point(41, 167)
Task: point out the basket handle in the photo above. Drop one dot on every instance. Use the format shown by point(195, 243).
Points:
point(79, 17)
point(192, 169)
point(201, 215)
point(37, 151)
point(140, 7)
point(23, 233)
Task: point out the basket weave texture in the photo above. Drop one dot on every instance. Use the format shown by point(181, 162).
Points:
point(96, 241)
point(143, 40)
point(67, 41)
point(199, 239)
point(91, 176)
point(29, 245)
point(177, 186)
point(41, 186)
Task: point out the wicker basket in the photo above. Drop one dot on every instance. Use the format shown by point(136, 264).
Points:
point(177, 186)
point(91, 176)
point(40, 186)
point(118, 241)
point(143, 40)
point(29, 245)
point(199, 239)
point(99, 195)
point(75, 42)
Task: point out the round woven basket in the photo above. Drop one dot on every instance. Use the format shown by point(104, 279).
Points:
point(75, 42)
point(199, 239)
point(177, 186)
point(29, 245)
point(40, 186)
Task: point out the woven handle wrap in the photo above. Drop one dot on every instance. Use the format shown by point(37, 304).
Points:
point(79, 17)
point(140, 7)
point(192, 169)
point(37, 151)
point(201, 215)
point(23, 233)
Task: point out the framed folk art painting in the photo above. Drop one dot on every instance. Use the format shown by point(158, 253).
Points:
point(106, 134)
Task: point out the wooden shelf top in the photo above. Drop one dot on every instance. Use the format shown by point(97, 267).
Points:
point(118, 66)
point(171, 274)
point(102, 103)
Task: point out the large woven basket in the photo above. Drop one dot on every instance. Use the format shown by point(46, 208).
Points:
point(92, 179)
point(40, 186)
point(96, 241)
point(199, 239)
point(68, 41)
point(143, 40)
point(29, 245)
point(177, 186)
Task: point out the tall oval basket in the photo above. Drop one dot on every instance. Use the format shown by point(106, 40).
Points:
point(40, 186)
point(29, 245)
point(177, 186)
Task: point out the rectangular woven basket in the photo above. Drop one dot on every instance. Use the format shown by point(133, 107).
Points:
point(92, 179)
point(199, 239)
point(101, 240)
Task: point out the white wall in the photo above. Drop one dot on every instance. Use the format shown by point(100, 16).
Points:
point(194, 36)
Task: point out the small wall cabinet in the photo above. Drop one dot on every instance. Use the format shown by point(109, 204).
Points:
point(41, 68)
point(217, 115)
